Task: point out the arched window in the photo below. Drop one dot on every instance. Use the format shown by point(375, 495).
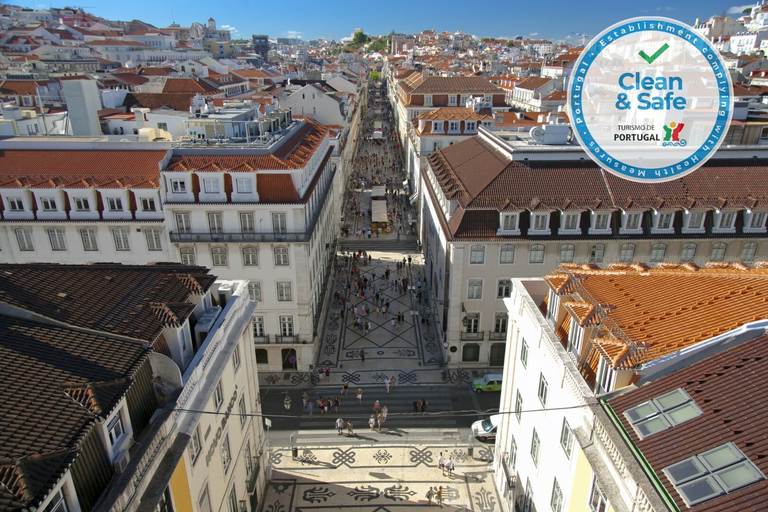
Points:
point(566, 253)
point(718, 251)
point(470, 352)
point(219, 256)
point(688, 252)
point(658, 251)
point(537, 254)
point(187, 255)
point(627, 253)
point(250, 256)
point(596, 253)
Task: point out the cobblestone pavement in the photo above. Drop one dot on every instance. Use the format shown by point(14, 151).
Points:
point(379, 479)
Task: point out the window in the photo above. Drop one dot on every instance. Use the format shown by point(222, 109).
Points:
point(211, 185)
point(537, 254)
point(187, 255)
point(597, 501)
point(236, 358)
point(88, 236)
point(121, 239)
point(195, 445)
point(226, 455)
point(473, 322)
point(509, 222)
point(262, 356)
point(15, 204)
point(748, 251)
point(627, 253)
point(182, 223)
point(218, 396)
point(281, 256)
point(718, 471)
point(241, 408)
point(633, 220)
point(451, 100)
point(658, 251)
point(477, 254)
point(596, 253)
point(500, 322)
point(286, 325)
point(232, 500)
point(215, 224)
point(246, 223)
point(605, 377)
point(244, 186)
point(524, 353)
point(718, 251)
point(115, 204)
point(507, 254)
point(204, 502)
point(258, 325)
point(567, 252)
point(662, 413)
point(688, 252)
point(427, 100)
point(695, 220)
point(726, 220)
point(540, 221)
point(58, 503)
point(470, 126)
point(162, 126)
point(504, 288)
point(56, 236)
point(115, 430)
point(543, 390)
point(470, 352)
point(178, 186)
point(757, 221)
point(528, 497)
point(284, 291)
point(665, 220)
point(519, 406)
point(437, 126)
point(219, 256)
point(49, 204)
point(82, 204)
point(601, 220)
point(535, 445)
point(571, 221)
point(475, 289)
point(453, 126)
point(566, 438)
point(250, 256)
point(278, 223)
point(556, 501)
point(24, 238)
point(153, 239)
point(148, 204)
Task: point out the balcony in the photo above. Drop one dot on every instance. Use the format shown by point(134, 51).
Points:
point(238, 237)
point(473, 336)
point(261, 339)
point(289, 339)
point(252, 476)
point(497, 336)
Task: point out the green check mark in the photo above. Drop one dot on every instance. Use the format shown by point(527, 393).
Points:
point(655, 56)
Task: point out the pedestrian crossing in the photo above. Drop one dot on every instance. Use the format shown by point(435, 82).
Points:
point(381, 245)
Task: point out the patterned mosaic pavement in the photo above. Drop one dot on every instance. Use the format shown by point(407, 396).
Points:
point(378, 479)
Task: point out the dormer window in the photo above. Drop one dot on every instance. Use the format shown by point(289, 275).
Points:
point(471, 126)
point(632, 221)
point(509, 223)
point(755, 221)
point(244, 186)
point(49, 204)
point(82, 204)
point(724, 222)
point(178, 186)
point(15, 204)
point(211, 185)
point(437, 126)
point(601, 222)
point(540, 223)
point(693, 221)
point(427, 100)
point(115, 204)
point(453, 126)
point(452, 100)
point(570, 221)
point(663, 221)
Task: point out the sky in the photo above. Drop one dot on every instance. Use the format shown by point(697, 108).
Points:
point(553, 19)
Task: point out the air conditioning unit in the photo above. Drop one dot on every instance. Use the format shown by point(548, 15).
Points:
point(121, 461)
point(205, 325)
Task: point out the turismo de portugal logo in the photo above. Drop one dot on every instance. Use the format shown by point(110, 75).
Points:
point(650, 99)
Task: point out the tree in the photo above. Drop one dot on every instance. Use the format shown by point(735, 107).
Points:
point(375, 76)
point(360, 38)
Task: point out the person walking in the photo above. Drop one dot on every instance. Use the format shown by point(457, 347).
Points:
point(416, 406)
point(359, 396)
point(430, 495)
point(309, 407)
point(372, 421)
point(441, 463)
point(439, 496)
point(449, 466)
point(349, 428)
point(345, 388)
point(384, 412)
point(423, 406)
point(340, 425)
point(336, 403)
point(362, 355)
point(386, 385)
point(305, 398)
point(377, 407)
point(327, 371)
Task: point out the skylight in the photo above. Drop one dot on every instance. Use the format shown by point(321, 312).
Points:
point(662, 412)
point(719, 471)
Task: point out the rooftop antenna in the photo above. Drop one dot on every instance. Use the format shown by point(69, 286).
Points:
point(173, 19)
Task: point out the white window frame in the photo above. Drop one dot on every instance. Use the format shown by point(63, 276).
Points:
point(48, 204)
point(244, 185)
point(218, 396)
point(452, 100)
point(658, 252)
point(115, 430)
point(567, 253)
point(178, 186)
point(524, 353)
point(725, 222)
point(24, 239)
point(627, 253)
point(437, 127)
point(281, 257)
point(519, 406)
point(89, 239)
point(187, 256)
point(477, 255)
point(243, 410)
point(566, 438)
point(755, 222)
point(748, 251)
point(631, 221)
point(247, 223)
point(719, 250)
point(540, 224)
point(606, 377)
point(537, 254)
point(57, 239)
point(693, 221)
point(543, 390)
point(507, 249)
point(596, 501)
point(250, 256)
point(15, 204)
point(279, 223)
point(504, 288)
point(154, 240)
point(500, 322)
point(283, 291)
point(475, 289)
point(453, 126)
point(148, 204)
point(226, 453)
point(215, 223)
point(183, 222)
point(236, 360)
point(82, 204)
point(258, 327)
point(254, 290)
point(596, 253)
point(686, 249)
point(470, 126)
point(600, 222)
point(195, 445)
point(122, 239)
point(219, 256)
point(557, 499)
point(663, 221)
point(427, 100)
point(115, 204)
point(211, 186)
point(570, 222)
point(286, 325)
point(510, 223)
point(535, 447)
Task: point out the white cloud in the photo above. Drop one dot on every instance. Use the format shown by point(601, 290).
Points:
point(294, 33)
point(230, 28)
point(667, 8)
point(533, 34)
point(738, 9)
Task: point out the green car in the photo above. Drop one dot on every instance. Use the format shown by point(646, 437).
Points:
point(490, 382)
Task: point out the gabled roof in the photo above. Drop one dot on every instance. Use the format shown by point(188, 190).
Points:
point(729, 388)
point(116, 299)
point(454, 114)
point(417, 84)
point(189, 85)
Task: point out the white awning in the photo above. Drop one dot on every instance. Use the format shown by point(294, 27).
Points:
point(379, 211)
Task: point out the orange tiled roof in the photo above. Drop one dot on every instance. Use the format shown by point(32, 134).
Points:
point(454, 114)
point(661, 311)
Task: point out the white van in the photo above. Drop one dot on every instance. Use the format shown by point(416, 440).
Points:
point(486, 429)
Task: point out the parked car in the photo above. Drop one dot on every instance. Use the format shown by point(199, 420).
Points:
point(485, 430)
point(490, 382)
